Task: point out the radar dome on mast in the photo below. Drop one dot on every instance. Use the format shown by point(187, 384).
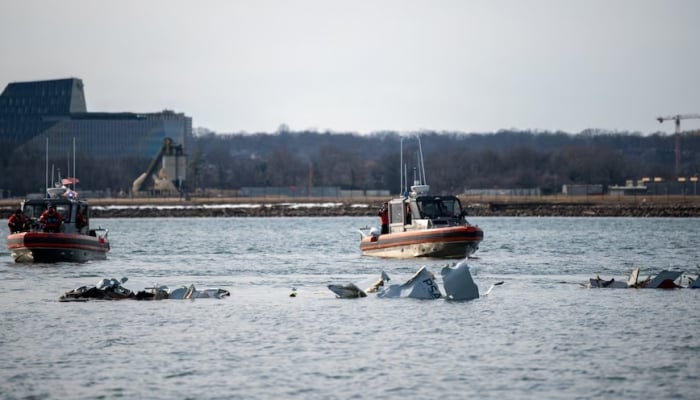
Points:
point(419, 190)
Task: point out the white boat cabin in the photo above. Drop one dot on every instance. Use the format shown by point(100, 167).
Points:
point(421, 211)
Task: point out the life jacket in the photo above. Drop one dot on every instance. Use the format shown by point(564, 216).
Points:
point(51, 220)
point(16, 222)
point(80, 220)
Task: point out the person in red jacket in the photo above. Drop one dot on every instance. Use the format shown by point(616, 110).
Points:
point(81, 220)
point(17, 222)
point(51, 220)
point(384, 217)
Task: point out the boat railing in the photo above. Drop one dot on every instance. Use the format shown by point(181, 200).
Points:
point(422, 223)
point(33, 225)
point(95, 232)
point(439, 222)
point(364, 231)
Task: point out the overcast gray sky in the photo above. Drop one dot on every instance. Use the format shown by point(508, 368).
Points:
point(365, 66)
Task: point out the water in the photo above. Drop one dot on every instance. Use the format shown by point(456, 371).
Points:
point(539, 335)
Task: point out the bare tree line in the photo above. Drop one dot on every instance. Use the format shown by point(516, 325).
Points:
point(454, 162)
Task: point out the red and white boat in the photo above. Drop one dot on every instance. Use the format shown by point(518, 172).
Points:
point(71, 243)
point(423, 225)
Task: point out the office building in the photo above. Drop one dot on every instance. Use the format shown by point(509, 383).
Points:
point(32, 112)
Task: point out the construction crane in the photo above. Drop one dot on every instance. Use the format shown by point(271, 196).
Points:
point(678, 119)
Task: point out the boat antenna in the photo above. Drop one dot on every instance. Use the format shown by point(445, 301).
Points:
point(405, 178)
point(401, 168)
point(417, 176)
point(46, 173)
point(424, 181)
point(68, 169)
point(75, 181)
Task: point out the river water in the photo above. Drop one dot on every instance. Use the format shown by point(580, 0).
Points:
point(539, 335)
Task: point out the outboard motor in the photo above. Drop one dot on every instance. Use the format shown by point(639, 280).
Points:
point(374, 233)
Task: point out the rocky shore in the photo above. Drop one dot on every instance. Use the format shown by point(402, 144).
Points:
point(103, 209)
point(346, 209)
point(585, 210)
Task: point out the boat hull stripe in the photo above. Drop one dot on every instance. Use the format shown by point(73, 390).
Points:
point(430, 236)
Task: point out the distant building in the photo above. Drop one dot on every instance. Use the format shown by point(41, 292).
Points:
point(657, 187)
point(31, 112)
point(631, 188)
point(504, 192)
point(290, 191)
point(582, 190)
point(671, 188)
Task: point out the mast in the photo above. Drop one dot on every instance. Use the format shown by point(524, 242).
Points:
point(401, 168)
point(423, 179)
point(46, 172)
point(418, 171)
point(75, 181)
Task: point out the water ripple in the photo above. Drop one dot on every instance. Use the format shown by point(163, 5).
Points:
point(540, 335)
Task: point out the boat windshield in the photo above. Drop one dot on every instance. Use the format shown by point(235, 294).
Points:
point(437, 207)
point(33, 210)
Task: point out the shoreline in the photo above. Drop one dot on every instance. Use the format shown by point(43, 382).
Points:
point(555, 206)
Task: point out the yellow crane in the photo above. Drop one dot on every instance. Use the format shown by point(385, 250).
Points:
point(678, 119)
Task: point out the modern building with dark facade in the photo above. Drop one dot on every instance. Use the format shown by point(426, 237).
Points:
point(32, 112)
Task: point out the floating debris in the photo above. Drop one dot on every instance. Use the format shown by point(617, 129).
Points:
point(112, 289)
point(457, 282)
point(664, 280)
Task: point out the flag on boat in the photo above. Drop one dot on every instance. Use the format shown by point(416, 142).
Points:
point(70, 181)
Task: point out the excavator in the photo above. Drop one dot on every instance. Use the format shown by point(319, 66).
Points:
point(167, 169)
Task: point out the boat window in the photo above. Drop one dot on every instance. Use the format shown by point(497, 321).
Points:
point(64, 210)
point(395, 213)
point(451, 207)
point(33, 210)
point(428, 209)
point(439, 208)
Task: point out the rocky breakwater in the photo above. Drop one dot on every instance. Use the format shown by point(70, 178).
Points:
point(336, 209)
point(547, 209)
point(234, 210)
point(103, 208)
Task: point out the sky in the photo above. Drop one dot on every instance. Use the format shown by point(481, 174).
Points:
point(369, 65)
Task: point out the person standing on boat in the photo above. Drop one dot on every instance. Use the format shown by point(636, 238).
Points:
point(17, 222)
point(81, 219)
point(384, 216)
point(51, 220)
